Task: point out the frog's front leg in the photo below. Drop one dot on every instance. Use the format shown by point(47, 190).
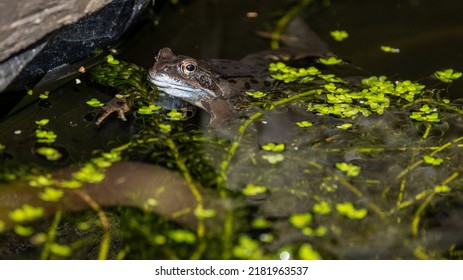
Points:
point(118, 104)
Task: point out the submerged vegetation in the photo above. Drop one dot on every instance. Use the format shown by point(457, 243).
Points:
point(365, 168)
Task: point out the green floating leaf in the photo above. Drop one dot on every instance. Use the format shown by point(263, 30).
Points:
point(274, 147)
point(89, 174)
point(319, 231)
point(287, 74)
point(347, 209)
point(60, 250)
point(44, 95)
point(306, 252)
point(83, 226)
point(389, 49)
point(148, 110)
point(260, 223)
point(111, 60)
point(344, 126)
point(330, 60)
point(165, 128)
point(256, 94)
point(304, 124)
point(432, 160)
point(322, 208)
point(159, 239)
point(205, 213)
point(182, 236)
point(174, 115)
point(45, 136)
point(2, 147)
point(251, 190)
point(300, 220)
point(23, 230)
point(49, 153)
point(51, 194)
point(247, 248)
point(447, 75)
point(26, 213)
point(71, 184)
point(426, 114)
point(442, 189)
point(350, 169)
point(40, 181)
point(95, 103)
point(339, 35)
point(42, 122)
point(274, 159)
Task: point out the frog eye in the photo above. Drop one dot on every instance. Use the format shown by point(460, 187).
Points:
point(188, 67)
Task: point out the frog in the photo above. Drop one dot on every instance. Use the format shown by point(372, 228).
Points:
point(217, 86)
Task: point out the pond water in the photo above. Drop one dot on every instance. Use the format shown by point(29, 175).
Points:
point(362, 167)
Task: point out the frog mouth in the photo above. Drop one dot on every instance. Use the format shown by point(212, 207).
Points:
point(177, 88)
point(161, 84)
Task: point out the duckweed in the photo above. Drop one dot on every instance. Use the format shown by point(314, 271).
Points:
point(60, 250)
point(322, 208)
point(273, 147)
point(256, 94)
point(95, 103)
point(442, 189)
point(49, 153)
point(247, 248)
point(40, 181)
point(111, 60)
point(274, 159)
point(347, 209)
point(89, 174)
point(344, 126)
point(70, 184)
point(350, 169)
point(432, 160)
point(251, 190)
point(51, 194)
point(304, 124)
point(300, 220)
point(174, 115)
point(42, 122)
point(148, 110)
point(45, 136)
point(331, 60)
point(260, 223)
point(339, 35)
point(26, 213)
point(306, 252)
point(318, 232)
point(447, 75)
point(23, 230)
point(389, 49)
point(205, 213)
point(182, 236)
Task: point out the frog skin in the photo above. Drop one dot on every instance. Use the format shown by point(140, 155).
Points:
point(215, 85)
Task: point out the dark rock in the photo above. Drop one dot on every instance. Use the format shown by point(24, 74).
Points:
point(66, 44)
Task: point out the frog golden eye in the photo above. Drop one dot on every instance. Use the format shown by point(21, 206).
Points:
point(189, 67)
